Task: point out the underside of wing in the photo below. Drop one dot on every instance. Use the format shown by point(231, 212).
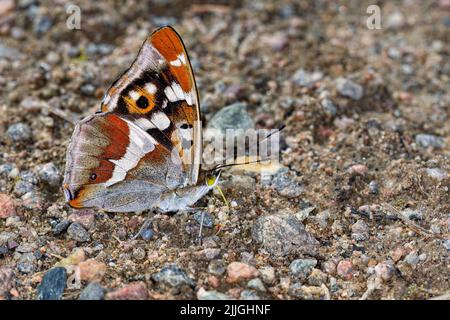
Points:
point(115, 165)
point(158, 94)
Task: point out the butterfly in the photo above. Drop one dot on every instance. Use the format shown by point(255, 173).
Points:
point(143, 149)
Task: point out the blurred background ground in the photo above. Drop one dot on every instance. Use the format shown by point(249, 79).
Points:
point(360, 210)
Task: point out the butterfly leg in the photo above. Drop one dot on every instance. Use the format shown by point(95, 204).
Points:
point(200, 238)
point(200, 232)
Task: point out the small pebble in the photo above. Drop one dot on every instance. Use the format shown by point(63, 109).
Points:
point(147, 234)
point(249, 295)
point(429, 140)
point(299, 291)
point(446, 244)
point(7, 279)
point(19, 132)
point(139, 253)
point(92, 270)
point(385, 270)
point(317, 278)
point(283, 234)
point(306, 79)
point(237, 271)
point(358, 169)
point(61, 227)
point(133, 291)
point(345, 270)
point(7, 206)
point(360, 231)
point(256, 284)
point(286, 184)
point(202, 294)
point(78, 233)
point(373, 187)
point(234, 117)
point(49, 174)
point(329, 107)
point(349, 89)
point(93, 291)
point(437, 174)
point(173, 276)
point(85, 217)
point(27, 263)
point(267, 274)
point(412, 258)
point(412, 214)
point(217, 267)
point(208, 219)
point(53, 284)
point(301, 268)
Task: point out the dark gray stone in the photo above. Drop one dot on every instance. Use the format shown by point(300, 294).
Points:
point(208, 219)
point(234, 116)
point(93, 291)
point(61, 227)
point(217, 267)
point(283, 234)
point(147, 234)
point(173, 276)
point(53, 284)
point(284, 181)
point(78, 233)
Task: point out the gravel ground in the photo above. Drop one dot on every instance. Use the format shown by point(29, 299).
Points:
point(360, 208)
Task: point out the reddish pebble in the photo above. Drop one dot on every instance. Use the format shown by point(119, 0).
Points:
point(84, 217)
point(238, 271)
point(133, 291)
point(7, 207)
point(358, 169)
point(213, 281)
point(385, 270)
point(92, 270)
point(345, 269)
point(397, 254)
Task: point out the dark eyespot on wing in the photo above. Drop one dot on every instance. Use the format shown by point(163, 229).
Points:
point(142, 102)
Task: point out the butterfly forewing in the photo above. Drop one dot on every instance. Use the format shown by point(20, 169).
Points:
point(158, 94)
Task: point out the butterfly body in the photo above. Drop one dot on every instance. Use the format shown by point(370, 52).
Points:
point(143, 149)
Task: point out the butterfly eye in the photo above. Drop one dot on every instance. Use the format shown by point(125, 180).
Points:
point(185, 126)
point(93, 176)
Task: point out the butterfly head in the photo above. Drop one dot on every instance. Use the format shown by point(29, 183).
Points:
point(212, 177)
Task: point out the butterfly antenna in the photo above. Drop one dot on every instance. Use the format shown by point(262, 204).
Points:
point(221, 166)
point(275, 132)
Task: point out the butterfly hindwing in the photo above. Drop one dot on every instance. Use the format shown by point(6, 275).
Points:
point(114, 165)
